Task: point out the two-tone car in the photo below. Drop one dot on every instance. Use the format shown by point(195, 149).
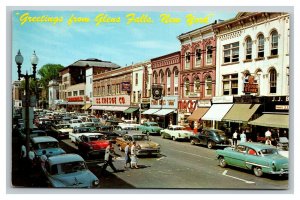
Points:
point(176, 132)
point(92, 144)
point(211, 138)
point(257, 157)
point(69, 171)
point(144, 145)
point(47, 143)
point(150, 128)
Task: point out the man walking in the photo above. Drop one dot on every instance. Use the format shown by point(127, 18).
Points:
point(127, 155)
point(234, 138)
point(109, 154)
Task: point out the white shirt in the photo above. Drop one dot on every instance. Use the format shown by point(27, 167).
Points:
point(23, 151)
point(268, 133)
point(234, 135)
point(243, 137)
point(31, 155)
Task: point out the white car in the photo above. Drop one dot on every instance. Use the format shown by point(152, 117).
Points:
point(64, 128)
point(74, 136)
point(176, 132)
point(75, 123)
point(69, 171)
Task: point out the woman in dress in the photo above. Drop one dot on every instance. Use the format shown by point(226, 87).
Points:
point(133, 162)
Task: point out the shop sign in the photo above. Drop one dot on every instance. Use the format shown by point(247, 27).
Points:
point(170, 102)
point(126, 86)
point(250, 86)
point(75, 99)
point(282, 107)
point(187, 106)
point(112, 100)
point(222, 99)
point(156, 92)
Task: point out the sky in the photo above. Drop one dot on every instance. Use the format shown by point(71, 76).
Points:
point(122, 43)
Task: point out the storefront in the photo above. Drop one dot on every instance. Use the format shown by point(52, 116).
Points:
point(202, 106)
point(74, 104)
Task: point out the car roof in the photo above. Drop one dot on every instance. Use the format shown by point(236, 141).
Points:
point(175, 126)
point(40, 139)
point(64, 158)
point(134, 133)
point(257, 145)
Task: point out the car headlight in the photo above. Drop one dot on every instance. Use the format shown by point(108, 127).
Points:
point(95, 182)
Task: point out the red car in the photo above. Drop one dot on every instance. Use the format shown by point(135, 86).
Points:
point(90, 144)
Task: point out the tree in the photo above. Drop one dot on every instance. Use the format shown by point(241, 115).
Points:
point(49, 72)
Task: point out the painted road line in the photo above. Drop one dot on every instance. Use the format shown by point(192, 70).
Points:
point(225, 174)
point(160, 158)
point(193, 154)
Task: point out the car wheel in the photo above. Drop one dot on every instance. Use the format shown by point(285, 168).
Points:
point(222, 162)
point(163, 135)
point(193, 142)
point(257, 171)
point(173, 138)
point(210, 144)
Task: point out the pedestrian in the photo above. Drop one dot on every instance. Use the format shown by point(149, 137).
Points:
point(243, 137)
point(43, 158)
point(133, 157)
point(268, 141)
point(268, 134)
point(127, 155)
point(23, 157)
point(109, 154)
point(234, 138)
point(31, 158)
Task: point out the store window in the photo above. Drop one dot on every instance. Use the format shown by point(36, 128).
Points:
point(273, 80)
point(261, 46)
point(248, 48)
point(231, 53)
point(274, 43)
point(230, 84)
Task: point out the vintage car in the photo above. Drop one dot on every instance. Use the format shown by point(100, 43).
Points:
point(69, 171)
point(176, 132)
point(211, 138)
point(109, 135)
point(77, 131)
point(122, 129)
point(75, 123)
point(143, 145)
point(150, 128)
point(35, 132)
point(92, 144)
point(259, 158)
point(47, 143)
point(59, 131)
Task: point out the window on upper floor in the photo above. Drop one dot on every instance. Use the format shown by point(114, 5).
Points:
point(134, 97)
point(81, 92)
point(198, 57)
point(231, 53)
point(69, 94)
point(248, 48)
point(209, 54)
point(261, 46)
point(196, 84)
point(208, 86)
point(187, 60)
point(75, 93)
point(273, 80)
point(136, 78)
point(274, 43)
point(230, 84)
point(187, 87)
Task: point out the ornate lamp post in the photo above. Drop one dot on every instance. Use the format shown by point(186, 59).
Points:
point(19, 61)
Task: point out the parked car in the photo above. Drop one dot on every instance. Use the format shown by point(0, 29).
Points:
point(69, 171)
point(92, 144)
point(59, 131)
point(176, 132)
point(211, 138)
point(35, 132)
point(78, 131)
point(143, 145)
point(75, 123)
point(47, 143)
point(282, 143)
point(111, 136)
point(259, 158)
point(150, 128)
point(122, 129)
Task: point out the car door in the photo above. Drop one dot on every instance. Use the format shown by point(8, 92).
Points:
point(237, 157)
point(203, 137)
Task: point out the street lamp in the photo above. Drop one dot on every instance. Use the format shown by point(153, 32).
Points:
point(19, 61)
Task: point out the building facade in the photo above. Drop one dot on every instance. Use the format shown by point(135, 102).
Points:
point(53, 94)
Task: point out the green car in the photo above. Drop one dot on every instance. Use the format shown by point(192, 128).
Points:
point(150, 128)
point(259, 158)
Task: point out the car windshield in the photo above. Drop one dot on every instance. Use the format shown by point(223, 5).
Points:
point(139, 137)
point(178, 128)
point(66, 168)
point(153, 124)
point(96, 137)
point(46, 145)
point(269, 151)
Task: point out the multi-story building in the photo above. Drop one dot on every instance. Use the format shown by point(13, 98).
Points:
point(197, 73)
point(17, 94)
point(74, 89)
point(252, 68)
point(165, 72)
point(53, 95)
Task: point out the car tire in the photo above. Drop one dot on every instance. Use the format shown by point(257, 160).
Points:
point(173, 138)
point(257, 171)
point(210, 144)
point(222, 162)
point(163, 135)
point(193, 142)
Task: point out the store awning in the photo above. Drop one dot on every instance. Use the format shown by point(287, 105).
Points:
point(217, 112)
point(131, 110)
point(272, 120)
point(109, 108)
point(75, 103)
point(163, 112)
point(150, 111)
point(86, 106)
point(197, 114)
point(241, 113)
